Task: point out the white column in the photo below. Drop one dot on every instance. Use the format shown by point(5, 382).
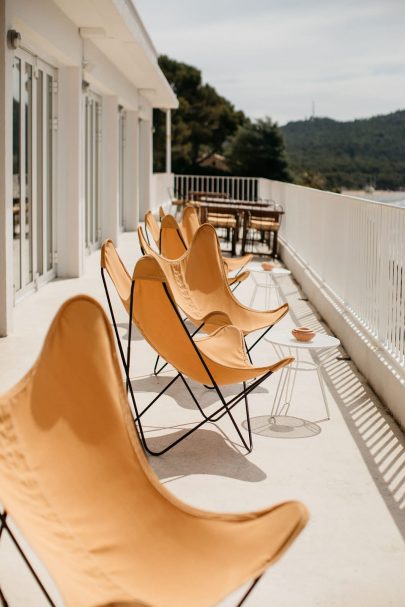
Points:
point(70, 174)
point(6, 183)
point(168, 141)
point(145, 167)
point(109, 169)
point(131, 172)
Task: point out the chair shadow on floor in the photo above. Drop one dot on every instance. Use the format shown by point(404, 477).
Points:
point(136, 335)
point(377, 435)
point(206, 397)
point(207, 451)
point(204, 452)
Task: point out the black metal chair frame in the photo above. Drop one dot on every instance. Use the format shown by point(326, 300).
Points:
point(5, 526)
point(224, 409)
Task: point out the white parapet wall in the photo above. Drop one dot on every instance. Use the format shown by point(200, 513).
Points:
point(348, 254)
point(161, 190)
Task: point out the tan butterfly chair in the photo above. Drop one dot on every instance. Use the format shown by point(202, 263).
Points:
point(215, 360)
point(76, 482)
point(175, 245)
point(198, 283)
point(177, 238)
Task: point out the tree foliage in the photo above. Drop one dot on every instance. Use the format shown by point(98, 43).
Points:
point(200, 126)
point(257, 150)
point(349, 154)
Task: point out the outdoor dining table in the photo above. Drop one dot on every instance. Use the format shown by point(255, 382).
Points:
point(241, 210)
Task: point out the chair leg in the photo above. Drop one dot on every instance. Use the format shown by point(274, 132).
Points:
point(156, 371)
point(3, 601)
point(224, 409)
point(4, 525)
point(245, 596)
point(248, 418)
point(258, 339)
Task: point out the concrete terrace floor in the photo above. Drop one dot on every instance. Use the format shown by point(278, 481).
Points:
point(349, 471)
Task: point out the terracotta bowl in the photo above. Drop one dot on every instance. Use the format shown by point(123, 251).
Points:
point(303, 334)
point(267, 266)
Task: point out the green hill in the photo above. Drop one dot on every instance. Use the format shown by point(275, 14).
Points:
point(349, 154)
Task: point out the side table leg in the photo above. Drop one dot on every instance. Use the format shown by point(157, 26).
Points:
point(284, 392)
point(252, 299)
point(267, 296)
point(322, 385)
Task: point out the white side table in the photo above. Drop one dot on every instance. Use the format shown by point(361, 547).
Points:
point(286, 345)
point(269, 283)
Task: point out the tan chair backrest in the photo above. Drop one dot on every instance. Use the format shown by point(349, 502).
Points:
point(143, 243)
point(189, 224)
point(172, 244)
point(197, 280)
point(111, 262)
point(152, 226)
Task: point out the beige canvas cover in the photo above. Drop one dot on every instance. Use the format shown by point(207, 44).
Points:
point(199, 286)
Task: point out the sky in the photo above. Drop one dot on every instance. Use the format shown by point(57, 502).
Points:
point(284, 58)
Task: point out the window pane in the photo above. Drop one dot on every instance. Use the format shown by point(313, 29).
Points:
point(121, 177)
point(27, 236)
point(49, 171)
point(92, 169)
point(16, 174)
point(40, 166)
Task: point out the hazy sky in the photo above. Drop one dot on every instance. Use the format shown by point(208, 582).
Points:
point(275, 57)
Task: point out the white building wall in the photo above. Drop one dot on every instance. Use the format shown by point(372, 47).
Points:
point(132, 171)
point(109, 168)
point(49, 34)
point(145, 163)
point(69, 178)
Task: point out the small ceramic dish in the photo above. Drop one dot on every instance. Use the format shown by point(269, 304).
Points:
point(303, 334)
point(267, 266)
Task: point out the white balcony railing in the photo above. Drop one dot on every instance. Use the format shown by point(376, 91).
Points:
point(356, 249)
point(239, 188)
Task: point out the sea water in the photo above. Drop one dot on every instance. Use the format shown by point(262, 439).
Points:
point(395, 198)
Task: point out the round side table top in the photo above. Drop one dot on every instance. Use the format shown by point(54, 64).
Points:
point(256, 266)
point(284, 338)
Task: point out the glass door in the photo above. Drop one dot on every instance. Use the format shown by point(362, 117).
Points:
point(92, 136)
point(34, 123)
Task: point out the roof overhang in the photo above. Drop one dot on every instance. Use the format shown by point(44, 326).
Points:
point(115, 28)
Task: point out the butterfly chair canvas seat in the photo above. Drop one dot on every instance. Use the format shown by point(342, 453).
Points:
point(175, 247)
point(199, 286)
point(75, 480)
point(187, 229)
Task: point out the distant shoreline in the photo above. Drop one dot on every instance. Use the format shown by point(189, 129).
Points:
point(396, 198)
